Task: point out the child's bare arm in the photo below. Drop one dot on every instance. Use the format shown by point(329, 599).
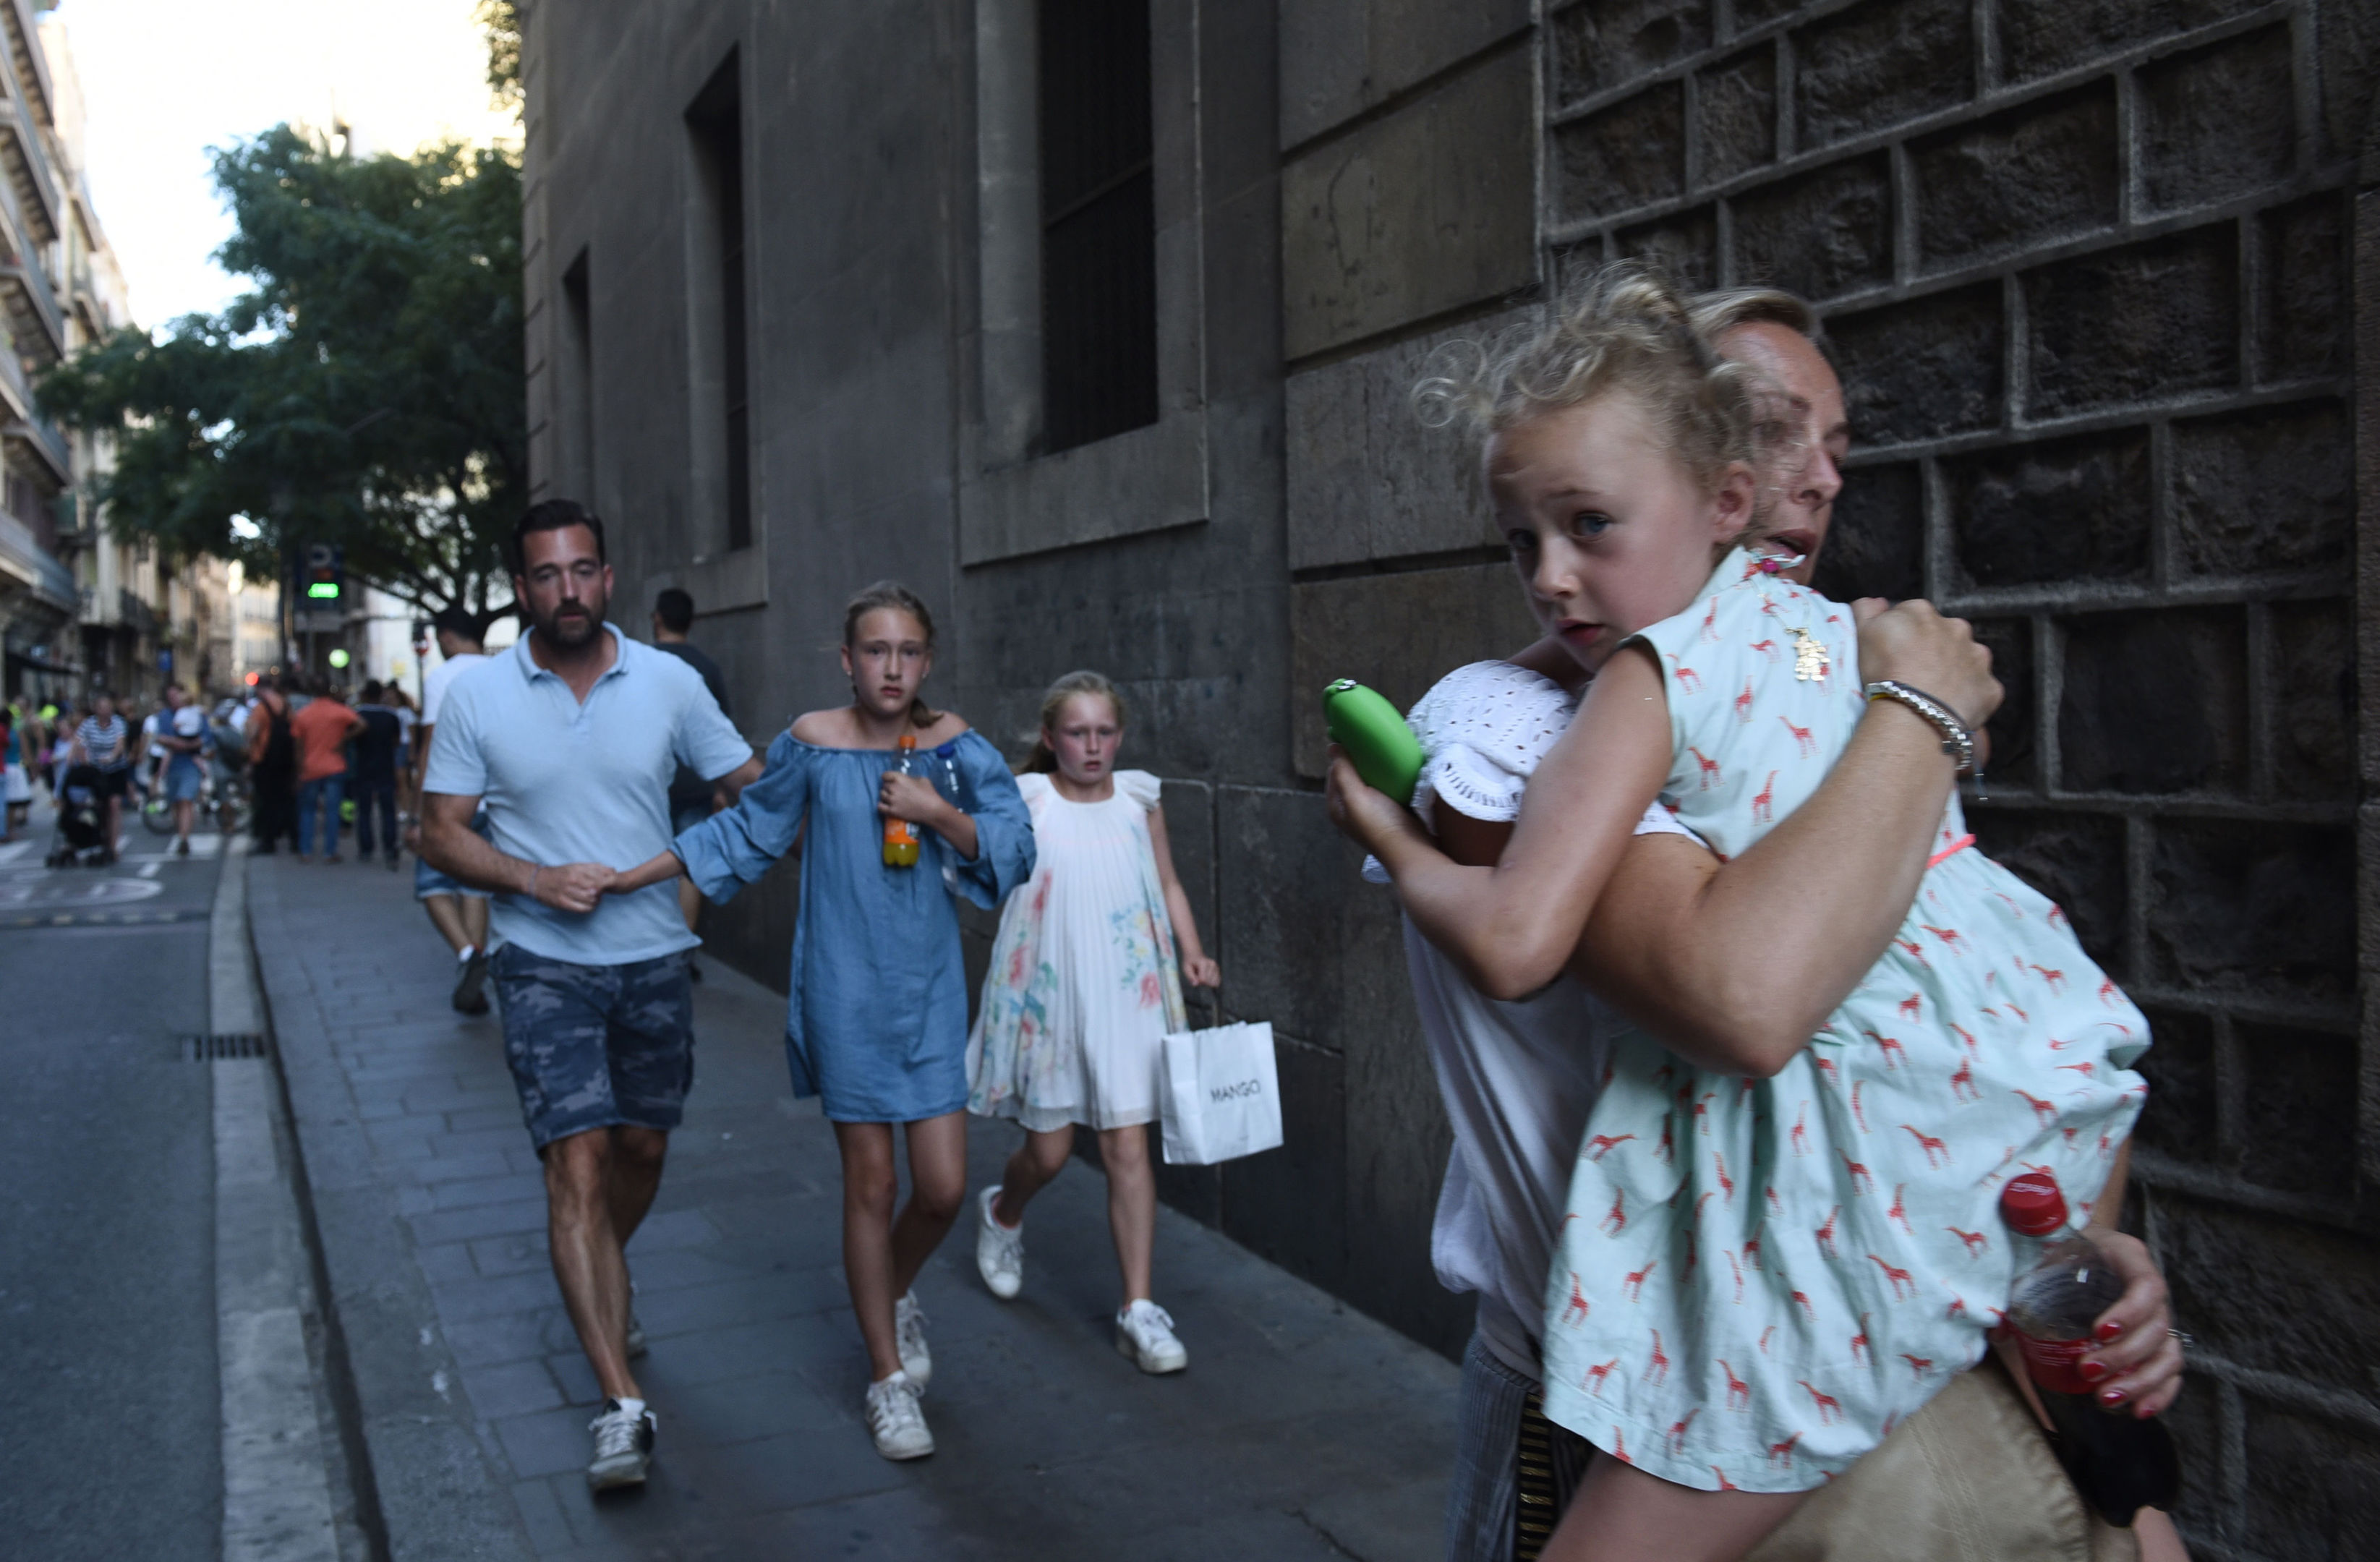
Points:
point(1510, 929)
point(1196, 968)
point(1737, 965)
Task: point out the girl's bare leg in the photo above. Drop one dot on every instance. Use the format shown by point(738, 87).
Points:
point(1033, 1168)
point(869, 1186)
point(1132, 1205)
point(881, 1255)
point(1623, 1515)
point(937, 1189)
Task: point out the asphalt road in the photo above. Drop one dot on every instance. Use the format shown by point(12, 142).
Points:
point(107, 1249)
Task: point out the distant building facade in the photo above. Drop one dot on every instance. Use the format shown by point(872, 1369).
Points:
point(79, 610)
point(1096, 324)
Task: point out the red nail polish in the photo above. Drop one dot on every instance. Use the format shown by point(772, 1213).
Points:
point(2092, 1371)
point(2112, 1397)
point(2110, 1330)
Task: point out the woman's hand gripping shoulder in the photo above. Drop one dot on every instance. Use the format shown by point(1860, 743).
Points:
point(1510, 929)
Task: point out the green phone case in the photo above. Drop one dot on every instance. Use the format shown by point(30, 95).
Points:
point(1384, 750)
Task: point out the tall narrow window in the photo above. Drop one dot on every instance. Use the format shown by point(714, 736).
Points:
point(575, 394)
point(716, 121)
point(1098, 222)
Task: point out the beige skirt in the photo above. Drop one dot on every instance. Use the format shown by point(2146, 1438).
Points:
point(1940, 1486)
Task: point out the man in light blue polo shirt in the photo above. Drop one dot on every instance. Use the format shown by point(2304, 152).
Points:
point(570, 740)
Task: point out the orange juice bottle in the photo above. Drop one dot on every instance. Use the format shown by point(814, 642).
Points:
point(900, 835)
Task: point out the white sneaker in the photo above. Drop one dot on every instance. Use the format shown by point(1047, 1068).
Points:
point(999, 1250)
point(1145, 1334)
point(895, 1419)
point(624, 1447)
point(909, 1339)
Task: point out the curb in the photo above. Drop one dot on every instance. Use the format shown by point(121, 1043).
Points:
point(437, 1494)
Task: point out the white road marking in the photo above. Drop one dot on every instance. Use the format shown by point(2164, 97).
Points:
point(201, 846)
point(278, 1505)
point(148, 869)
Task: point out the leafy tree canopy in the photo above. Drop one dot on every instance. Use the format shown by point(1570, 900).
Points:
point(500, 20)
point(368, 392)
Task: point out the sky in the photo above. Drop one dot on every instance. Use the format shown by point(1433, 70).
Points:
point(165, 79)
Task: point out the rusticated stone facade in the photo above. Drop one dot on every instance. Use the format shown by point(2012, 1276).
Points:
point(2086, 273)
point(2097, 273)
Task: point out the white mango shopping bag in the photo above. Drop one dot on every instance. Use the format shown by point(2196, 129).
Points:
point(1221, 1094)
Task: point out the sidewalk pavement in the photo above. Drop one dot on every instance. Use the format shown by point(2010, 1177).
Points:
point(1302, 1429)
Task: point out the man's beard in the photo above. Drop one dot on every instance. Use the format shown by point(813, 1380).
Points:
point(572, 630)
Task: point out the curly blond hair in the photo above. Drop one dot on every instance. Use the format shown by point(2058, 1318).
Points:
point(1625, 327)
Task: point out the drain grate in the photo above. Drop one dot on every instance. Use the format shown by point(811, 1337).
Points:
point(206, 1048)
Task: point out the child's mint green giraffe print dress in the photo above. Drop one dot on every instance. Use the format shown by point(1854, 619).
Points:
point(1757, 1279)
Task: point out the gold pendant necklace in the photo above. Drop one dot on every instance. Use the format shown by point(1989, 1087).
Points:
point(1809, 657)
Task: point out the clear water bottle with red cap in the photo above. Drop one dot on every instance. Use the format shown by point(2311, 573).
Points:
point(2119, 1463)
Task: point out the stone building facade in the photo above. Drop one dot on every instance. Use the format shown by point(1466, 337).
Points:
point(2096, 273)
point(81, 611)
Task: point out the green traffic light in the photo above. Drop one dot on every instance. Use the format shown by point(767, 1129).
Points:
point(324, 590)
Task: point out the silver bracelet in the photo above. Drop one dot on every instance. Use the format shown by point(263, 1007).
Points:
point(1957, 741)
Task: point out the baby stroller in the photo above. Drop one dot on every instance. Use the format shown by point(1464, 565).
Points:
point(81, 838)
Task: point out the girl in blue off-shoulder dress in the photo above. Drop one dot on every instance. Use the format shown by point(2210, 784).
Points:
point(877, 1023)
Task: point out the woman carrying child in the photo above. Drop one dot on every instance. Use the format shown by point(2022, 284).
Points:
point(1739, 1308)
point(877, 1023)
point(1081, 993)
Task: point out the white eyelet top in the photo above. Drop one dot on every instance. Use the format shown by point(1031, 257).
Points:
point(1484, 728)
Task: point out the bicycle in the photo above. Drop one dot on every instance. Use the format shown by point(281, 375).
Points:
point(223, 799)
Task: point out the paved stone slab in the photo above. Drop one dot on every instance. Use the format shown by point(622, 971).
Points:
point(1302, 1429)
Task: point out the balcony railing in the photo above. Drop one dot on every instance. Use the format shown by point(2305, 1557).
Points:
point(135, 613)
point(21, 422)
point(24, 558)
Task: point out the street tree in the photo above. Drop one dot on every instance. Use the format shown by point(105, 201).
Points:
point(366, 392)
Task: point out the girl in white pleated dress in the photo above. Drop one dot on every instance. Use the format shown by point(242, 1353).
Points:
point(1082, 990)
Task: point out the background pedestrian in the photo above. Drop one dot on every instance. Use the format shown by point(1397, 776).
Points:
point(104, 741)
point(692, 800)
point(1082, 991)
point(373, 775)
point(184, 742)
point(17, 734)
point(322, 729)
point(273, 765)
point(458, 911)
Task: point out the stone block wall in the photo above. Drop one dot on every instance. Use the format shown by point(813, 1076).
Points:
point(2088, 271)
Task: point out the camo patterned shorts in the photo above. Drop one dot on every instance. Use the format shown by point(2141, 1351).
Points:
point(592, 1045)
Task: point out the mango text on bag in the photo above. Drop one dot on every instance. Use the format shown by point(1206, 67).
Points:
point(1234, 1092)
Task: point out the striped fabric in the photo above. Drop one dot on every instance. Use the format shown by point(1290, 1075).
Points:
point(1514, 1471)
point(104, 741)
point(1552, 1459)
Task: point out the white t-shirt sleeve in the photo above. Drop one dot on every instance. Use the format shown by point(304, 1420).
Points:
point(1140, 786)
point(441, 683)
point(457, 768)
